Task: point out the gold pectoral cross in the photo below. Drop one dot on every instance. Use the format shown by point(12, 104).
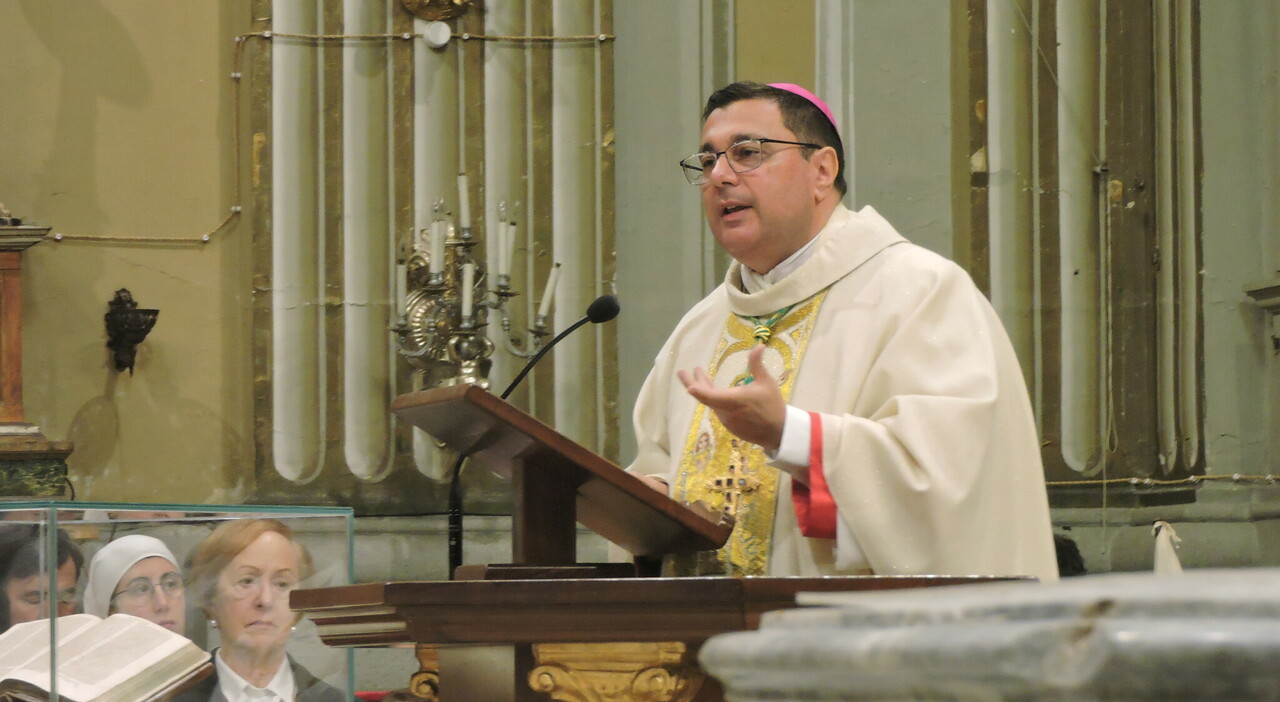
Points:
point(733, 486)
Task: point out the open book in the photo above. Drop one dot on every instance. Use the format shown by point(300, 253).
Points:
point(118, 659)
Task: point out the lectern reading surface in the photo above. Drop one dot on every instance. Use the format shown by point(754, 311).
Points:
point(557, 482)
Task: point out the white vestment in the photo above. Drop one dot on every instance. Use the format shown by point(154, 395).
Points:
point(929, 446)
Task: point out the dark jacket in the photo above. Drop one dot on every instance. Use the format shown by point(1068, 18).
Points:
point(309, 688)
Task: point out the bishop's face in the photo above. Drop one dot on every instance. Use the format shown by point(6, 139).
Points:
point(764, 215)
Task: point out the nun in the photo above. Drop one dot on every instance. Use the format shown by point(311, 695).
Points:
point(137, 575)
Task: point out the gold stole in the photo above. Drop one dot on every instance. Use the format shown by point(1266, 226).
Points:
point(726, 473)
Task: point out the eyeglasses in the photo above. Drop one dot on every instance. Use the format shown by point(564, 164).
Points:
point(744, 156)
point(143, 588)
point(37, 599)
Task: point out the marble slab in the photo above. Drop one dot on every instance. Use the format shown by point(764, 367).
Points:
point(1211, 635)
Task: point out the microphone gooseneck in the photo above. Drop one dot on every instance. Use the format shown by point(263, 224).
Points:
point(602, 309)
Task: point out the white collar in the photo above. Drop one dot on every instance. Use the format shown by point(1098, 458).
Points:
point(754, 282)
point(237, 689)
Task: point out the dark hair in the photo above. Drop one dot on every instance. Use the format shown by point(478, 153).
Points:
point(802, 117)
point(21, 554)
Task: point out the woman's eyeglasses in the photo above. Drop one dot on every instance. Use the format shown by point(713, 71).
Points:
point(144, 588)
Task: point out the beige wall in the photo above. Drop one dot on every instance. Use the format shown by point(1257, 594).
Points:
point(774, 41)
point(115, 121)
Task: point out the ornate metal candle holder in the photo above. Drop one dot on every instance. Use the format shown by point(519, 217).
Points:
point(127, 326)
point(435, 331)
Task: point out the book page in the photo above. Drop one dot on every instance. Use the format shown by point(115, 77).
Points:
point(23, 695)
point(26, 643)
point(119, 648)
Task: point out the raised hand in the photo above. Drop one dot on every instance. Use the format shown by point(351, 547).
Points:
point(754, 412)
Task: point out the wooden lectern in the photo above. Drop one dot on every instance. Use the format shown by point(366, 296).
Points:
point(570, 637)
point(558, 482)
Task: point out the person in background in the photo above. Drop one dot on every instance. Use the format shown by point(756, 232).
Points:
point(24, 579)
point(865, 409)
point(1070, 561)
point(137, 575)
point(241, 576)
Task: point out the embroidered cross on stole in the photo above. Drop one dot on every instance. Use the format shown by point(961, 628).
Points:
point(726, 473)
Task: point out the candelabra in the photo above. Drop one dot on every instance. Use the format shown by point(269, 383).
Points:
point(444, 298)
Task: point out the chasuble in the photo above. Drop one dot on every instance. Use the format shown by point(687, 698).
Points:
point(924, 455)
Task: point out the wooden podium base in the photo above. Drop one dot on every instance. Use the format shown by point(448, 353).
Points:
point(579, 640)
point(664, 671)
point(642, 671)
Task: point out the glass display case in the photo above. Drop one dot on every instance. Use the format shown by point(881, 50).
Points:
point(218, 575)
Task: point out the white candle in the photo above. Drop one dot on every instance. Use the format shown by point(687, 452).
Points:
point(436, 254)
point(499, 245)
point(402, 287)
point(468, 285)
point(547, 295)
point(509, 254)
point(464, 202)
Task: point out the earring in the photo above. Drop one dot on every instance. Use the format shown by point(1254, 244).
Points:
point(213, 623)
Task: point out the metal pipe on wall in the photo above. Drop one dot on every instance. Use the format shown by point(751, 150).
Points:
point(1010, 157)
point(435, 167)
point(521, 116)
point(504, 156)
point(834, 46)
point(1166, 238)
point(575, 154)
point(1079, 262)
point(1188, 229)
point(297, 361)
point(368, 244)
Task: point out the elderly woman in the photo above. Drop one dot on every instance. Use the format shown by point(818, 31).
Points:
point(24, 582)
point(137, 575)
point(242, 575)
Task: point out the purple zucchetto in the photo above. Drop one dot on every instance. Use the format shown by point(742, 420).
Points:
point(817, 101)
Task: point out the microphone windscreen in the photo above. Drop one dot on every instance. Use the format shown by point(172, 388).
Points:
point(603, 309)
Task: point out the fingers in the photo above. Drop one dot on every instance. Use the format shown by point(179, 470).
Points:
point(703, 378)
point(700, 384)
point(755, 362)
point(696, 377)
point(655, 482)
point(686, 378)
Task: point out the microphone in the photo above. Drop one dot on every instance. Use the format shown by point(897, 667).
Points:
point(602, 309)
